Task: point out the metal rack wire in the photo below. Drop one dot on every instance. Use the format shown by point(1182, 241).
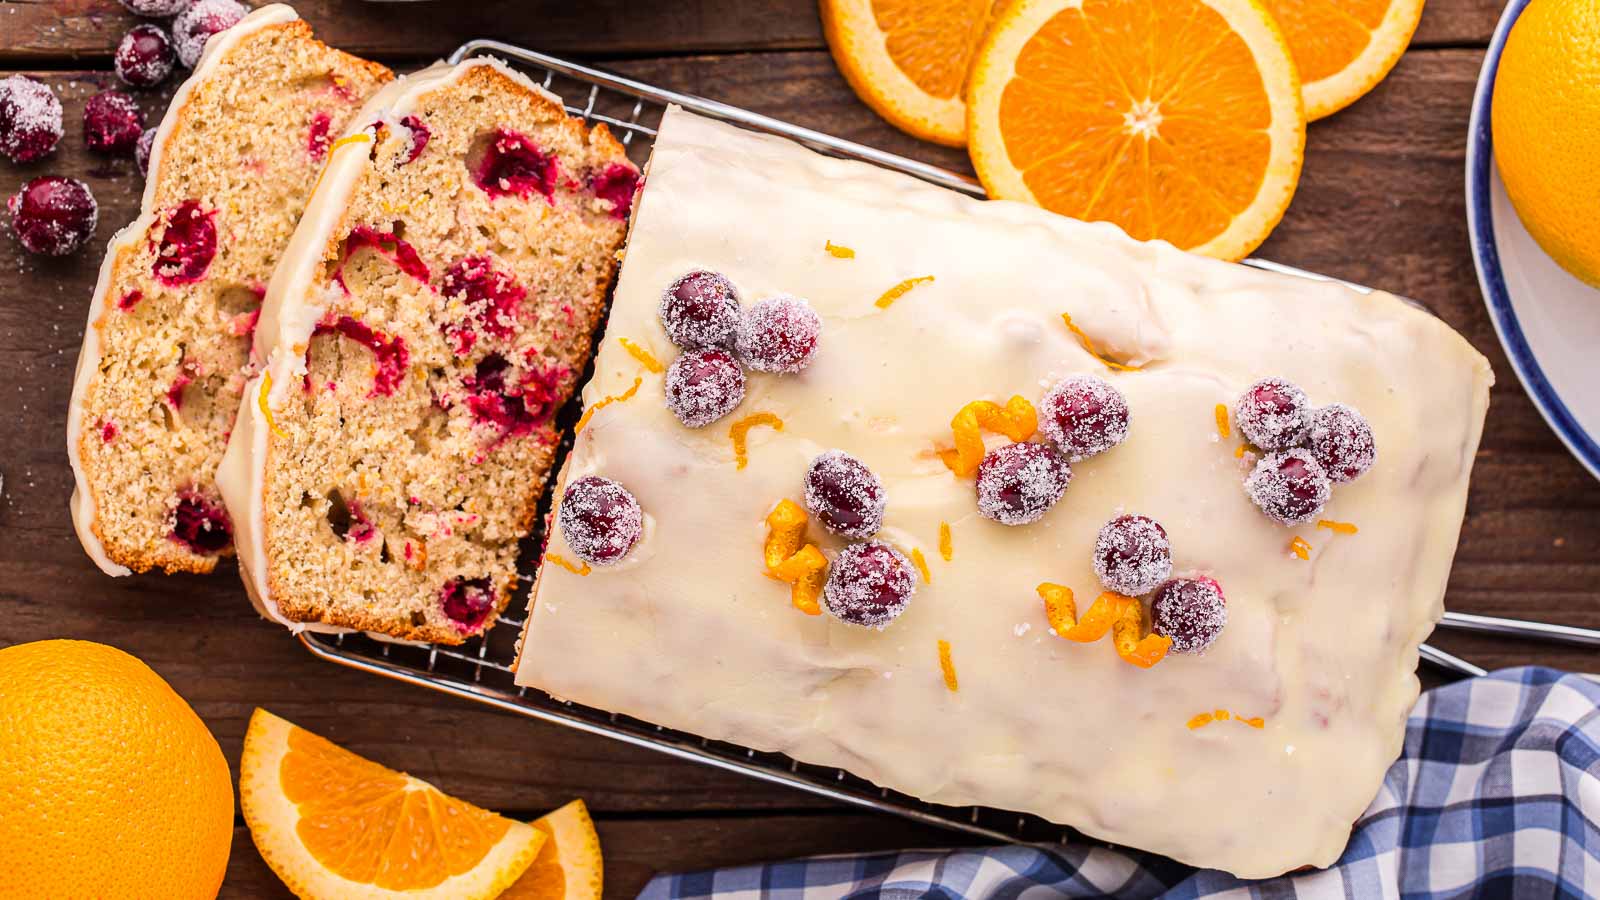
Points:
point(481, 669)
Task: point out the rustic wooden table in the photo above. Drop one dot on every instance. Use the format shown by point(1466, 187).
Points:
point(1380, 203)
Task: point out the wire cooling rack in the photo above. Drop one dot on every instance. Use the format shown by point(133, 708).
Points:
point(481, 669)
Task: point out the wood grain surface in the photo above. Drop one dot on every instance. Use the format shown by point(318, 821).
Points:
point(1380, 202)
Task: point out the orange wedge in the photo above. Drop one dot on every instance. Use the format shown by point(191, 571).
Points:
point(334, 825)
point(568, 867)
point(1179, 120)
point(907, 59)
point(1343, 48)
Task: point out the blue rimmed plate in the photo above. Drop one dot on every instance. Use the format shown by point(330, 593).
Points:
point(1548, 321)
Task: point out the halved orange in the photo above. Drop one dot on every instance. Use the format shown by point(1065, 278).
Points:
point(1179, 120)
point(569, 865)
point(334, 825)
point(1343, 48)
point(908, 59)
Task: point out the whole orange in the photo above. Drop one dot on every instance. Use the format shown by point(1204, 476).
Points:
point(110, 785)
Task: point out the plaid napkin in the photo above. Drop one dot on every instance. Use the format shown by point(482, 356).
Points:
point(1496, 794)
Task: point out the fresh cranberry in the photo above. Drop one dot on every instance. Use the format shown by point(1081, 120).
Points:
point(319, 136)
point(1290, 487)
point(1132, 555)
point(184, 379)
point(779, 334)
point(389, 246)
point(616, 185)
point(1273, 414)
point(188, 244)
point(196, 24)
point(703, 386)
point(513, 409)
point(700, 309)
point(1190, 611)
point(513, 165)
point(30, 119)
point(145, 56)
point(869, 583)
point(155, 9)
point(468, 602)
point(420, 133)
point(389, 351)
point(492, 296)
point(1084, 416)
point(129, 300)
point(1342, 442)
point(141, 151)
point(600, 520)
point(201, 524)
point(1018, 483)
point(53, 214)
point(844, 495)
point(108, 432)
point(112, 123)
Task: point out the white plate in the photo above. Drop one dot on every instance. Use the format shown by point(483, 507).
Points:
point(1548, 321)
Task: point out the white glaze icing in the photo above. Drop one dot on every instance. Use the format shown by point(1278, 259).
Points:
point(688, 632)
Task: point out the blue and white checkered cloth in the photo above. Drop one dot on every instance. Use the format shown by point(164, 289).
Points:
point(1496, 794)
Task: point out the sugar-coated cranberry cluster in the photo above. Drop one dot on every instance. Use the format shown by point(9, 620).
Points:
point(870, 582)
point(1133, 556)
point(1308, 450)
point(702, 315)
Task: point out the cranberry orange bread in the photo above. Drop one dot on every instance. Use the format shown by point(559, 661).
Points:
point(432, 313)
point(168, 338)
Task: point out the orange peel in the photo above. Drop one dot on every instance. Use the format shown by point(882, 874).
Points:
point(739, 432)
point(899, 290)
point(946, 547)
point(804, 568)
point(947, 667)
point(1337, 527)
point(1128, 635)
point(837, 251)
point(1062, 612)
point(583, 420)
point(1299, 547)
point(645, 357)
point(1094, 351)
point(266, 388)
point(786, 531)
point(806, 560)
point(806, 589)
point(1017, 420)
point(1222, 421)
point(567, 564)
point(1201, 720)
point(921, 562)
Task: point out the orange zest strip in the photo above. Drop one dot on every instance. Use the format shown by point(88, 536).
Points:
point(358, 137)
point(1222, 421)
point(1299, 547)
point(1337, 527)
point(1253, 721)
point(948, 667)
point(607, 401)
point(1200, 721)
point(786, 531)
point(1129, 637)
point(837, 251)
point(740, 431)
point(266, 388)
point(922, 564)
point(809, 559)
point(1088, 345)
point(1062, 613)
point(645, 357)
point(805, 591)
point(1222, 715)
point(565, 563)
point(1239, 453)
point(1017, 420)
point(899, 290)
point(946, 548)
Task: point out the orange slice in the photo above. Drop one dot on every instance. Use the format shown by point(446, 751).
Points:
point(907, 59)
point(334, 825)
point(569, 866)
point(1179, 120)
point(1343, 48)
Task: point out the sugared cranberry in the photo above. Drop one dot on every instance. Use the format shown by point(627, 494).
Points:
point(1342, 442)
point(196, 24)
point(420, 133)
point(141, 151)
point(779, 334)
point(600, 520)
point(468, 602)
point(319, 135)
point(112, 123)
point(703, 386)
point(145, 56)
point(1190, 611)
point(53, 215)
point(1084, 416)
point(30, 119)
point(155, 9)
point(1290, 487)
point(188, 244)
point(700, 309)
point(493, 298)
point(201, 524)
point(1132, 555)
point(1018, 483)
point(513, 165)
point(844, 495)
point(1273, 414)
point(869, 583)
point(616, 185)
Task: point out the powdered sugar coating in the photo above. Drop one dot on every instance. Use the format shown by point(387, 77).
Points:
point(53, 215)
point(144, 58)
point(112, 123)
point(600, 520)
point(1190, 611)
point(700, 309)
point(1291, 487)
point(155, 9)
point(844, 495)
point(704, 385)
point(141, 150)
point(1084, 416)
point(1273, 414)
point(30, 119)
point(1132, 555)
point(1018, 483)
point(1342, 442)
point(779, 334)
point(869, 583)
point(196, 24)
